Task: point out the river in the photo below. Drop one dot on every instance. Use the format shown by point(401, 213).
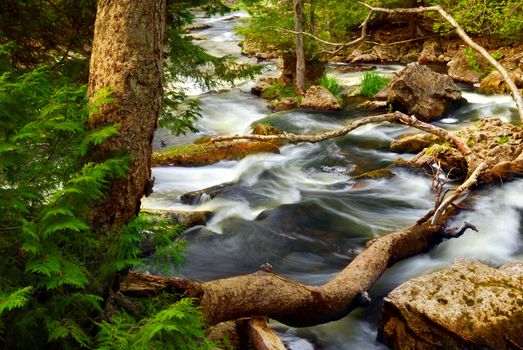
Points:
point(301, 211)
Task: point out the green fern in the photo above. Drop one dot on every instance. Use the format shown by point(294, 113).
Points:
point(15, 300)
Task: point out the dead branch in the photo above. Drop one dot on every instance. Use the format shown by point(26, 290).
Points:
point(397, 117)
point(463, 35)
point(471, 181)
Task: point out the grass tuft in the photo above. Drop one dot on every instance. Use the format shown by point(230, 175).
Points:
point(372, 83)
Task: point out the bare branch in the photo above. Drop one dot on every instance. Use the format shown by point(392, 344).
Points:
point(471, 181)
point(397, 116)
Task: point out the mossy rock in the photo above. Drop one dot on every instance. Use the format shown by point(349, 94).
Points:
point(384, 173)
point(210, 153)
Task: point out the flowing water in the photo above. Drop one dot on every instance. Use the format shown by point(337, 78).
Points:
point(301, 211)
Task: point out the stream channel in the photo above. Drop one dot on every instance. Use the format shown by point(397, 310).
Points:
point(301, 211)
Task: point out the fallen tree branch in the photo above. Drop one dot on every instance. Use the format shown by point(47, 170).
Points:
point(463, 35)
point(397, 117)
point(266, 294)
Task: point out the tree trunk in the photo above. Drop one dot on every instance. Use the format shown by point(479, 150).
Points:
point(300, 54)
point(127, 57)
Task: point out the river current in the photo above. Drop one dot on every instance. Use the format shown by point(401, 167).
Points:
point(301, 211)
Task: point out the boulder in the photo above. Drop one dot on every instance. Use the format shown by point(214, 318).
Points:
point(319, 98)
point(467, 306)
point(467, 67)
point(420, 91)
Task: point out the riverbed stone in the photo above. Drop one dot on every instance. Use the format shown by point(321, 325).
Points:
point(420, 91)
point(319, 98)
point(467, 67)
point(488, 138)
point(467, 306)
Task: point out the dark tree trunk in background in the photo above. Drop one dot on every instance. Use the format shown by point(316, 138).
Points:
point(127, 57)
point(300, 54)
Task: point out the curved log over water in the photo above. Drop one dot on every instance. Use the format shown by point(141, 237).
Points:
point(267, 294)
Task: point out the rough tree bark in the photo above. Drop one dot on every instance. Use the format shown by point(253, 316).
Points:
point(300, 53)
point(127, 57)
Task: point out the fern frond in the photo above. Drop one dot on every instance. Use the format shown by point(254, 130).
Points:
point(15, 300)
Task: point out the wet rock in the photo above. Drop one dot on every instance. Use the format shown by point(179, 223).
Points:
point(194, 37)
point(200, 196)
point(467, 66)
point(354, 68)
point(467, 306)
point(373, 105)
point(283, 104)
point(197, 26)
point(262, 84)
point(231, 18)
point(264, 129)
point(430, 53)
point(257, 50)
point(319, 98)
point(210, 153)
point(420, 91)
point(410, 143)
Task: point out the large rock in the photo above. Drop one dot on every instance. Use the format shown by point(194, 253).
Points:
point(467, 306)
point(420, 91)
point(319, 98)
point(467, 67)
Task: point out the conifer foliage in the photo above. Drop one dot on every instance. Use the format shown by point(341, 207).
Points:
point(56, 272)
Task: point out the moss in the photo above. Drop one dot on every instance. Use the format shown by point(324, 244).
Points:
point(210, 153)
point(502, 139)
point(375, 174)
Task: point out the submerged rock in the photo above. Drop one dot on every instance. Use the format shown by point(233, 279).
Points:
point(201, 196)
point(319, 98)
point(467, 306)
point(423, 92)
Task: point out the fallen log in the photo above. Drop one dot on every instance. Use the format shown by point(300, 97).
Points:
point(266, 294)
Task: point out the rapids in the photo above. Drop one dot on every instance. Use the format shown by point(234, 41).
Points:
point(301, 211)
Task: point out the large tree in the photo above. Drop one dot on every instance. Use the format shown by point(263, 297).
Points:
point(127, 57)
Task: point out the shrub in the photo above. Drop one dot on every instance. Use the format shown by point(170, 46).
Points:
point(372, 83)
point(331, 83)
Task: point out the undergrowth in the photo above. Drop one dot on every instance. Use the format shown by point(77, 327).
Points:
point(56, 272)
